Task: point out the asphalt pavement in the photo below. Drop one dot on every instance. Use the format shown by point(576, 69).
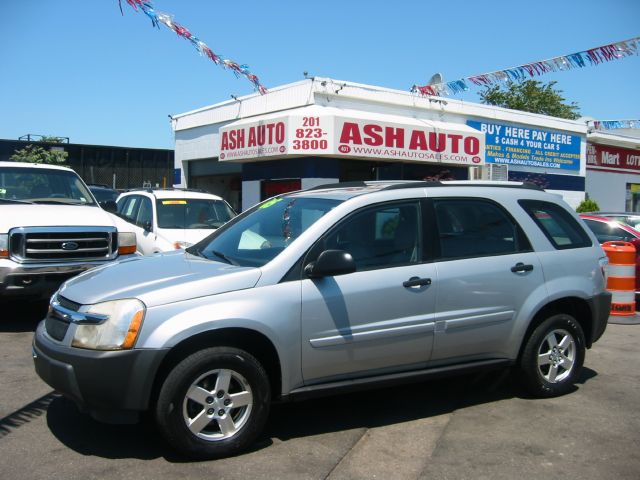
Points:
point(475, 427)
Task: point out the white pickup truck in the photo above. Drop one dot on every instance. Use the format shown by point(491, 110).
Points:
point(51, 229)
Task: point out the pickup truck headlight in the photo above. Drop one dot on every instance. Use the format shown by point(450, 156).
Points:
point(4, 245)
point(118, 327)
point(126, 243)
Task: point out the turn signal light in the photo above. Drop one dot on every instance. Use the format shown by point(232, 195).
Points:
point(126, 249)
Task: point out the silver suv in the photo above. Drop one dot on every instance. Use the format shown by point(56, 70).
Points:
point(314, 292)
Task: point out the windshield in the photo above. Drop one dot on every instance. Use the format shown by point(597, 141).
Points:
point(192, 213)
point(260, 234)
point(39, 185)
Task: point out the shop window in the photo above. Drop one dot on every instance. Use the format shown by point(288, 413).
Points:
point(633, 197)
point(271, 188)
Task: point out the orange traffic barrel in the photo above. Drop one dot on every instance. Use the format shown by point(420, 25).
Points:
point(621, 277)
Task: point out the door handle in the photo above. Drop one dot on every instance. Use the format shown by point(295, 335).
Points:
point(416, 282)
point(521, 267)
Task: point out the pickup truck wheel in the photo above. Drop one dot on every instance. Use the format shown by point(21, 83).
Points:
point(214, 403)
point(553, 356)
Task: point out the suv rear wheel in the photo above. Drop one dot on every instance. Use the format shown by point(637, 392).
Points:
point(553, 356)
point(214, 403)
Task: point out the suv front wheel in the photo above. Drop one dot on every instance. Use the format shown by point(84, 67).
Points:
point(214, 403)
point(553, 355)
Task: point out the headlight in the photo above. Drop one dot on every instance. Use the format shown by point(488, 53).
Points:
point(126, 243)
point(181, 245)
point(118, 327)
point(4, 245)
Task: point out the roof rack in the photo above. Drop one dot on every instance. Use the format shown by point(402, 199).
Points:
point(464, 183)
point(400, 185)
point(354, 184)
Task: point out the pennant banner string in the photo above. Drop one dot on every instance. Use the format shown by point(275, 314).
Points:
point(586, 58)
point(157, 18)
point(614, 124)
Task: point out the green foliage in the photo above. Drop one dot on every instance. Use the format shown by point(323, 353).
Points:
point(587, 205)
point(530, 96)
point(36, 154)
point(51, 139)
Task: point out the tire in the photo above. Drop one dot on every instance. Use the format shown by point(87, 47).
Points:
point(552, 357)
point(214, 403)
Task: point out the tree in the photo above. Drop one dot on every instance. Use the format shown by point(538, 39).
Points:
point(587, 205)
point(530, 96)
point(36, 154)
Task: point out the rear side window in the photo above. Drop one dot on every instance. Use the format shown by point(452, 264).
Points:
point(476, 228)
point(558, 225)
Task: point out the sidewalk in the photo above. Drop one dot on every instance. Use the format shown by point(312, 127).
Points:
point(625, 320)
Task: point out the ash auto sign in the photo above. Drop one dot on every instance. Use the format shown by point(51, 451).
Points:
point(264, 138)
point(529, 147)
point(604, 157)
point(409, 143)
point(329, 135)
point(280, 137)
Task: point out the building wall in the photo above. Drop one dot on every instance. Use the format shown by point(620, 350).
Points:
point(609, 189)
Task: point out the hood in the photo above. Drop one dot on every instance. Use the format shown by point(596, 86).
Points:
point(39, 215)
point(159, 279)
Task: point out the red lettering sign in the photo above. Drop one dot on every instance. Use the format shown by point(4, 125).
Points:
point(394, 137)
point(605, 157)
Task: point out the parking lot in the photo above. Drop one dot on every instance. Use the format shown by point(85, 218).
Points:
point(467, 427)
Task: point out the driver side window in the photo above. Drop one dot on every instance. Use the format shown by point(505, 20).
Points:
point(384, 236)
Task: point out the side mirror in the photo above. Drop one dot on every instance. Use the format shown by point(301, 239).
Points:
point(109, 206)
point(148, 227)
point(331, 263)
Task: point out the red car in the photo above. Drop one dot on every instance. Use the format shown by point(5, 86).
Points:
point(608, 230)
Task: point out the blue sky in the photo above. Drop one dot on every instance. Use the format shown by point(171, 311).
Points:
point(79, 69)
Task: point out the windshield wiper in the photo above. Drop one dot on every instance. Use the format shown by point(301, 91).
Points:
point(223, 257)
point(10, 200)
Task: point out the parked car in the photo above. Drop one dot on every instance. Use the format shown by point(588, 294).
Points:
point(606, 229)
point(51, 229)
point(325, 290)
point(169, 219)
point(630, 218)
point(105, 196)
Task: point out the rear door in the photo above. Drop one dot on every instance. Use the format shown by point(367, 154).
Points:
point(137, 210)
point(487, 271)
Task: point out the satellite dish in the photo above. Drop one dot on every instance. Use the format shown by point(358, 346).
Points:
point(435, 79)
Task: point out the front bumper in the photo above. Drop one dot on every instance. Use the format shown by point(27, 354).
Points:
point(112, 386)
point(40, 280)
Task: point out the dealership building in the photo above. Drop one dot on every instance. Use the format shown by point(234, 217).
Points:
point(613, 169)
point(321, 130)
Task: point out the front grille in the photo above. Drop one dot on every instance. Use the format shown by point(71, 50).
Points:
point(68, 304)
point(59, 244)
point(56, 328)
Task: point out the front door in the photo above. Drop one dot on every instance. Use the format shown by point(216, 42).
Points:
point(378, 319)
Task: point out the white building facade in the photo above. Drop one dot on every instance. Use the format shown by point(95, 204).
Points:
point(323, 131)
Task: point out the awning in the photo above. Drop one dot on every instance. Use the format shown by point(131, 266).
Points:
point(335, 132)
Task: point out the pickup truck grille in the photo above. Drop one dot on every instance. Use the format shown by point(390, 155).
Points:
point(61, 244)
